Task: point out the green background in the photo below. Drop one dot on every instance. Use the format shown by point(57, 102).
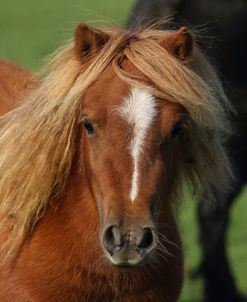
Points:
point(32, 29)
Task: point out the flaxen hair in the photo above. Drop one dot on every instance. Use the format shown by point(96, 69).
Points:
point(38, 141)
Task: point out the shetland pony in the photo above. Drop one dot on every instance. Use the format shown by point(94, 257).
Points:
point(92, 159)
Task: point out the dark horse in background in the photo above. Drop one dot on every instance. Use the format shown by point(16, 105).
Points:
point(226, 24)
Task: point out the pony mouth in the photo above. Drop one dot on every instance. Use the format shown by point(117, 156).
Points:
point(128, 262)
point(127, 265)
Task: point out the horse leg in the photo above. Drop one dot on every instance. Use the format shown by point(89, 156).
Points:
point(215, 269)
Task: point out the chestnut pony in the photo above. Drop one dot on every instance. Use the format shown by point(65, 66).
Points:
point(92, 157)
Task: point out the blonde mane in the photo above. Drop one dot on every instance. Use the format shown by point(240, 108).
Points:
point(37, 140)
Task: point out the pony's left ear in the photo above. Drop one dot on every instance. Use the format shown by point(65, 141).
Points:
point(89, 40)
point(180, 44)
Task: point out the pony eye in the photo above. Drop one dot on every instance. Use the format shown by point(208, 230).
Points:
point(89, 128)
point(176, 129)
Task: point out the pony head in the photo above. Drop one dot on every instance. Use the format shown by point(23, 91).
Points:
point(133, 141)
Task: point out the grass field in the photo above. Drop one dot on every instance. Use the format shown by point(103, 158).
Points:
point(32, 29)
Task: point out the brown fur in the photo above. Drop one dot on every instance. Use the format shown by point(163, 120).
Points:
point(15, 83)
point(62, 187)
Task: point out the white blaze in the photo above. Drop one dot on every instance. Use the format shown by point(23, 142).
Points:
point(139, 110)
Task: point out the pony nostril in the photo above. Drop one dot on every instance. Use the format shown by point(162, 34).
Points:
point(147, 239)
point(111, 238)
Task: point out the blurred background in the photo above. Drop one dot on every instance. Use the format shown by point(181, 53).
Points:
point(30, 30)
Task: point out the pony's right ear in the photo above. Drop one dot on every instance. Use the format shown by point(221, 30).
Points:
point(88, 40)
